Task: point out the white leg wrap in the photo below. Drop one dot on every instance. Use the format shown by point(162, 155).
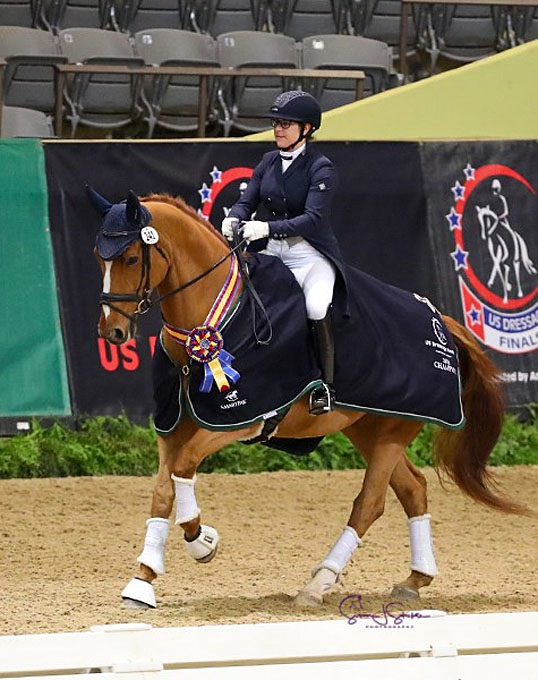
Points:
point(420, 539)
point(204, 545)
point(186, 506)
point(341, 552)
point(152, 554)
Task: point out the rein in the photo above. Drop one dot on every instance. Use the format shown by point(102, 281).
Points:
point(254, 297)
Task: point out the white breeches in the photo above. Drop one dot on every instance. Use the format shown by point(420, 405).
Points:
point(314, 273)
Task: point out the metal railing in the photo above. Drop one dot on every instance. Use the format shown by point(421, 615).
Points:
point(404, 15)
point(204, 73)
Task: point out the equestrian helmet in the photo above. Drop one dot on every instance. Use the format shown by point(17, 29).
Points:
point(298, 106)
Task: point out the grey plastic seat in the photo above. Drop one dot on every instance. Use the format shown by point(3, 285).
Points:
point(21, 122)
point(137, 15)
point(172, 101)
point(301, 18)
point(30, 55)
point(467, 32)
point(346, 52)
point(101, 100)
point(18, 13)
point(224, 16)
point(525, 23)
point(246, 100)
point(380, 20)
point(60, 14)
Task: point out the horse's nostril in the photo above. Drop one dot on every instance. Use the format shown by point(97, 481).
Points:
point(116, 336)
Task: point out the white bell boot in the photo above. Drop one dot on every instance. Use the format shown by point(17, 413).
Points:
point(139, 594)
point(203, 548)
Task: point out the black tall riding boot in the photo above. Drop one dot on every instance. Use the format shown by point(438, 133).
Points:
point(321, 399)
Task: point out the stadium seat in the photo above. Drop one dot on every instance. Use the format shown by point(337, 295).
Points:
point(21, 122)
point(380, 20)
point(224, 16)
point(18, 13)
point(61, 14)
point(172, 101)
point(346, 52)
point(247, 100)
point(30, 55)
point(138, 15)
point(525, 24)
point(301, 18)
point(467, 32)
point(100, 100)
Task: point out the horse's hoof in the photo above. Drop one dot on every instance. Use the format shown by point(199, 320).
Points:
point(306, 598)
point(405, 593)
point(134, 604)
point(208, 558)
point(139, 594)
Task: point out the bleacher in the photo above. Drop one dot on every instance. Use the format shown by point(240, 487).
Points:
point(338, 35)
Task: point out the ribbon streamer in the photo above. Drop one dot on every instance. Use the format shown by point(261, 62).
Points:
point(218, 370)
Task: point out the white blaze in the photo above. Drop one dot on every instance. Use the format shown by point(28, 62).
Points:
point(106, 285)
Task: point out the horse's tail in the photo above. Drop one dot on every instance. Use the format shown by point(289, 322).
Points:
point(463, 454)
point(527, 262)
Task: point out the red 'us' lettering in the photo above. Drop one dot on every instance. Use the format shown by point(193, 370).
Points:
point(113, 357)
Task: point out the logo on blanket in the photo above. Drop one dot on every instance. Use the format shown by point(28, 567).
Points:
point(233, 401)
point(225, 188)
point(497, 272)
point(439, 332)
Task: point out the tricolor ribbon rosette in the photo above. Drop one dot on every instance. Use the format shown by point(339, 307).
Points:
point(205, 345)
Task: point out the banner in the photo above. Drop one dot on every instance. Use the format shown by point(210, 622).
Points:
point(482, 222)
point(379, 218)
point(33, 375)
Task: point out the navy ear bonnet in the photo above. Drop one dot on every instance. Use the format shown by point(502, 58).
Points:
point(121, 225)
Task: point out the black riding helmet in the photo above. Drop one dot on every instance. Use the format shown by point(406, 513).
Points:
point(299, 107)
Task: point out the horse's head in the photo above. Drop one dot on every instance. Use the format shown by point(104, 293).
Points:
point(131, 262)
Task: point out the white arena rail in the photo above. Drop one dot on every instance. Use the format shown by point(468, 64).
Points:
point(440, 647)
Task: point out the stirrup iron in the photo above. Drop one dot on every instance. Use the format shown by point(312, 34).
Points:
point(321, 400)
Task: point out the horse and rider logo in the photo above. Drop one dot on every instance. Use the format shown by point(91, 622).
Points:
point(497, 270)
point(214, 197)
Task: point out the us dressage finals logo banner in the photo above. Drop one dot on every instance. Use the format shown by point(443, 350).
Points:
point(482, 221)
point(455, 223)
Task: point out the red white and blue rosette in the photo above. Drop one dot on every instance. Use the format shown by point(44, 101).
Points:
point(205, 345)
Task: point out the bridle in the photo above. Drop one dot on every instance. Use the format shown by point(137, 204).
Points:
point(144, 301)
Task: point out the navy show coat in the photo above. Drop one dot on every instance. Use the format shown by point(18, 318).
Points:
point(295, 203)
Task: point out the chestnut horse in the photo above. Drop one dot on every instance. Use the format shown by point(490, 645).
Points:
point(186, 261)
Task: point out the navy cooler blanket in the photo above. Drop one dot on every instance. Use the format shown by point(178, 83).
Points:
point(394, 356)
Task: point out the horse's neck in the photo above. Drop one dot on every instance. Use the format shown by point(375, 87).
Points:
point(193, 249)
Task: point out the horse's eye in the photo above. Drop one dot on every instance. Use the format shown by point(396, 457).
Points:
point(131, 261)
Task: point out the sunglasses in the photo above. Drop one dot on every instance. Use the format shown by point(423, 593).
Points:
point(284, 124)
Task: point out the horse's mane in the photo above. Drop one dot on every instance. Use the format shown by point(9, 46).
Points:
point(179, 203)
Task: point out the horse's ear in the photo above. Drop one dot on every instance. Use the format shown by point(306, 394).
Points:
point(133, 208)
point(99, 202)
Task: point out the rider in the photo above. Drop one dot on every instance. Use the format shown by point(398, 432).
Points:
point(292, 189)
